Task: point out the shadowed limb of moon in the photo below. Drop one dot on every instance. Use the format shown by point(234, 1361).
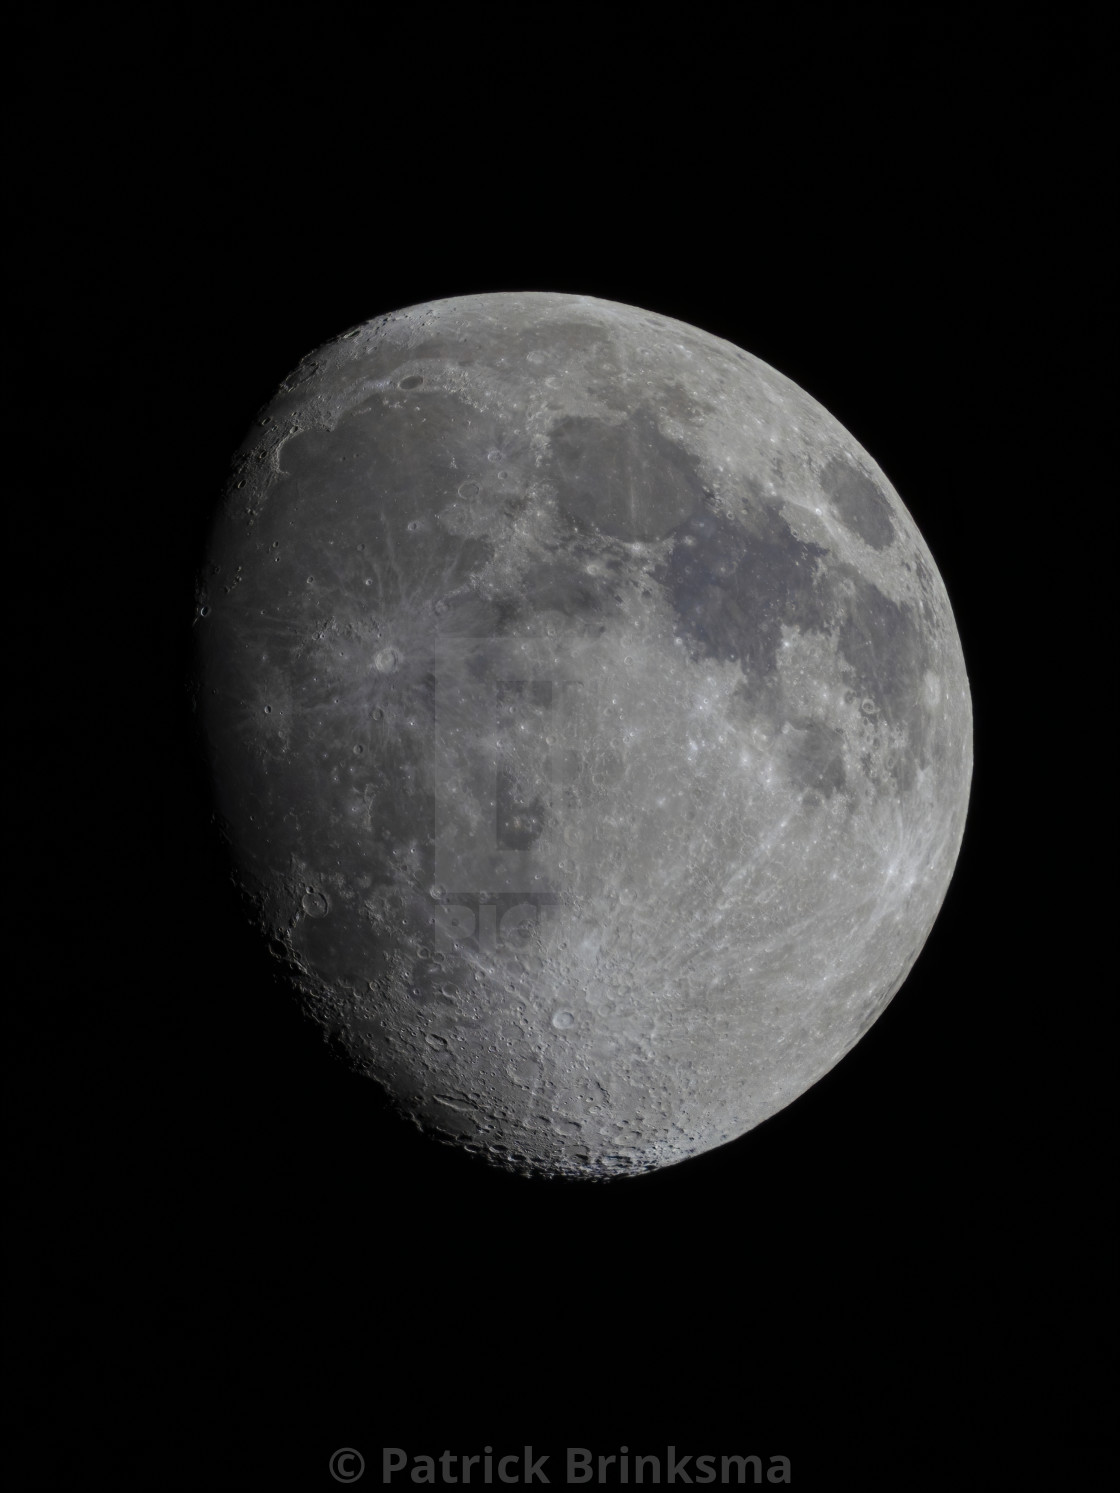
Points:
point(588, 719)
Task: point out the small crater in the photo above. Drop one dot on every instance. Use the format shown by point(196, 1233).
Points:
point(563, 1019)
point(314, 903)
point(468, 489)
point(413, 381)
point(387, 661)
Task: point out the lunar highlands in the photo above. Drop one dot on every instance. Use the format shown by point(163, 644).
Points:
point(587, 720)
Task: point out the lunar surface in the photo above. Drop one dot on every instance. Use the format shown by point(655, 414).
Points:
point(588, 722)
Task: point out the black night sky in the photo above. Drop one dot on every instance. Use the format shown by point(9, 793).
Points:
point(229, 1259)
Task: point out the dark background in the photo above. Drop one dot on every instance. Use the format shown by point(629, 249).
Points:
point(229, 1261)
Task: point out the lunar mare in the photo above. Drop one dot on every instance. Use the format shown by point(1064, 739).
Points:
point(588, 720)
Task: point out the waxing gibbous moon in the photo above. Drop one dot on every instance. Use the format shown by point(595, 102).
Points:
point(587, 719)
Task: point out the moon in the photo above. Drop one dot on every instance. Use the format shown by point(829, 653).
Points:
point(587, 720)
